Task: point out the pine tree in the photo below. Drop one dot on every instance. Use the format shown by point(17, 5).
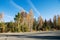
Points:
point(35, 25)
point(45, 25)
point(18, 20)
point(58, 23)
point(40, 23)
point(54, 21)
point(31, 20)
point(2, 27)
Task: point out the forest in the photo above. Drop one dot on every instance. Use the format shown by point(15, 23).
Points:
point(25, 22)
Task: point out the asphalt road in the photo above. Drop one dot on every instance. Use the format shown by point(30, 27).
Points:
point(52, 35)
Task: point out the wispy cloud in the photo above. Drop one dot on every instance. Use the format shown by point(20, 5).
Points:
point(17, 6)
point(32, 5)
point(8, 18)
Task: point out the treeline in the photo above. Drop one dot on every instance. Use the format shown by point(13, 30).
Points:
point(25, 22)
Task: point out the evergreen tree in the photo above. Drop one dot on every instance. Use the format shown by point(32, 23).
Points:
point(35, 25)
point(40, 23)
point(18, 19)
point(2, 27)
point(58, 23)
point(54, 21)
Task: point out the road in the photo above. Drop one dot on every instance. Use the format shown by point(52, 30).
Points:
point(51, 35)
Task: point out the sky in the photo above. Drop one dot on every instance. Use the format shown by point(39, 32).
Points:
point(45, 8)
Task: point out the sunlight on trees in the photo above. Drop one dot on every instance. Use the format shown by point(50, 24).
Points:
point(25, 22)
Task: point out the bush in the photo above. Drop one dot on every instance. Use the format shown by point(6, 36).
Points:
point(48, 28)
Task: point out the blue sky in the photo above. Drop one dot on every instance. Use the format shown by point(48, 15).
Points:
point(45, 8)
